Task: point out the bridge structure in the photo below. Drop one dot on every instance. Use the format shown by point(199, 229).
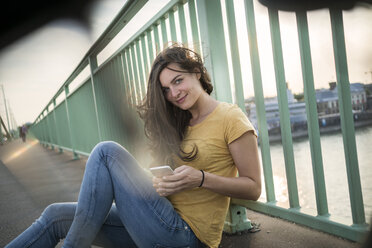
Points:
point(102, 106)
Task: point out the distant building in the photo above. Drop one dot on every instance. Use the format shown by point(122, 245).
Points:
point(297, 112)
point(327, 99)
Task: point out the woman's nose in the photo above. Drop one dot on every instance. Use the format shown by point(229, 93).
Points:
point(174, 92)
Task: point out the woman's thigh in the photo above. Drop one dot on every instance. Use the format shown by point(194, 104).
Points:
point(149, 219)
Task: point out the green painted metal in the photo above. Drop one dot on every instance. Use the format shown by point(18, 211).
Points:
point(130, 78)
point(234, 48)
point(140, 70)
point(194, 26)
point(172, 25)
point(263, 135)
point(126, 79)
point(72, 138)
point(157, 40)
point(312, 114)
point(93, 65)
point(214, 47)
point(285, 125)
point(83, 117)
point(347, 121)
point(135, 74)
point(149, 46)
point(164, 34)
point(56, 125)
point(182, 20)
point(236, 220)
point(144, 57)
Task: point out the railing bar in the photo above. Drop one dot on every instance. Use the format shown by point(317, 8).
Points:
point(235, 58)
point(285, 125)
point(149, 46)
point(312, 114)
point(135, 73)
point(92, 66)
point(172, 25)
point(145, 60)
point(347, 121)
point(56, 124)
point(130, 77)
point(163, 31)
point(73, 147)
point(182, 20)
point(140, 70)
point(157, 40)
point(214, 47)
point(259, 102)
point(194, 26)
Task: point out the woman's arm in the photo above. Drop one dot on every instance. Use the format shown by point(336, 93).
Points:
point(247, 186)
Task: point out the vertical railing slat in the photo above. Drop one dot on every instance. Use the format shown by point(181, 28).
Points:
point(92, 67)
point(140, 70)
point(263, 135)
point(285, 125)
point(72, 139)
point(194, 26)
point(172, 25)
point(312, 114)
point(214, 47)
point(144, 55)
point(149, 46)
point(132, 92)
point(157, 40)
point(235, 58)
point(347, 121)
point(182, 22)
point(135, 73)
point(164, 34)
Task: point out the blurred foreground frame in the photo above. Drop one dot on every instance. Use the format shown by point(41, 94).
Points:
point(20, 18)
point(307, 5)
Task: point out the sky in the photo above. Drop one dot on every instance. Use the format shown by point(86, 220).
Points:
point(34, 68)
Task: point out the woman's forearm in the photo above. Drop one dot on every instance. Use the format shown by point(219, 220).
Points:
point(238, 187)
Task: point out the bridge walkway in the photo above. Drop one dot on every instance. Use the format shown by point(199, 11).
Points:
point(32, 177)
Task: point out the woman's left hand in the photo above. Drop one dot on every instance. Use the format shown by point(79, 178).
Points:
point(185, 177)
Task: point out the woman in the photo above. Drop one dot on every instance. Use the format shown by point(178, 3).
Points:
point(206, 142)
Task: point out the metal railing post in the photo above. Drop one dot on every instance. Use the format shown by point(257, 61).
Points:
point(347, 121)
point(76, 156)
point(312, 114)
point(92, 67)
point(285, 125)
point(214, 47)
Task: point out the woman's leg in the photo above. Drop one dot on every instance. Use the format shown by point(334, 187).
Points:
point(55, 221)
point(112, 173)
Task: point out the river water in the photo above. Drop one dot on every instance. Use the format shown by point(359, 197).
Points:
point(334, 173)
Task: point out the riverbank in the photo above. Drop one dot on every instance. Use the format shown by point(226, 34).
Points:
point(298, 134)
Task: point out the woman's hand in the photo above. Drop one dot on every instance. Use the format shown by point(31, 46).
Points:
point(185, 177)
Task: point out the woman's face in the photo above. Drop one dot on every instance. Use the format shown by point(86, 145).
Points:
point(182, 89)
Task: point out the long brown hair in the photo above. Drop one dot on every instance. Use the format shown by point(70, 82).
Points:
point(165, 124)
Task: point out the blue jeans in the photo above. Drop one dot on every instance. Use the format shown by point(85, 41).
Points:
point(138, 218)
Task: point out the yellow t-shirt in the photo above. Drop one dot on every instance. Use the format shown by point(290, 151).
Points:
point(204, 210)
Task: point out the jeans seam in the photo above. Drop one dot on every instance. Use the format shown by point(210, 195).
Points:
point(44, 229)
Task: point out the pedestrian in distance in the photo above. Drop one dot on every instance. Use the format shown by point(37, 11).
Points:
point(211, 147)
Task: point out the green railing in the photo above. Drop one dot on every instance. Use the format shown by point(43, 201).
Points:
point(101, 108)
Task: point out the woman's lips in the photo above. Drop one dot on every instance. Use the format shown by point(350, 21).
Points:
point(181, 100)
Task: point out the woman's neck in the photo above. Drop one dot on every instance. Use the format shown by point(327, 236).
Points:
point(202, 108)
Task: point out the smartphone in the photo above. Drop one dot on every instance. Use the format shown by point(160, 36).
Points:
point(161, 171)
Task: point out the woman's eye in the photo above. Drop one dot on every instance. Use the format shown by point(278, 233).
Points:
point(178, 81)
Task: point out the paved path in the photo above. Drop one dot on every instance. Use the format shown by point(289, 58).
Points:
point(32, 177)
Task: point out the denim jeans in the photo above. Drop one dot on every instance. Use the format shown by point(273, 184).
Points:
point(139, 217)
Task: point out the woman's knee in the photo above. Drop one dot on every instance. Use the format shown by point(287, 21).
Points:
point(57, 211)
point(108, 147)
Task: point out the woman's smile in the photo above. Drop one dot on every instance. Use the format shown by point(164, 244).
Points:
point(181, 100)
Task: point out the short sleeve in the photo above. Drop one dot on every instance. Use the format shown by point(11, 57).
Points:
point(236, 124)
